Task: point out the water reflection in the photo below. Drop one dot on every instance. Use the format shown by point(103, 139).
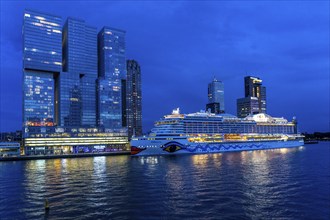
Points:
point(244, 157)
point(81, 180)
point(35, 165)
point(99, 167)
point(35, 184)
point(202, 160)
point(251, 171)
point(152, 160)
point(239, 185)
point(57, 165)
point(263, 189)
point(64, 164)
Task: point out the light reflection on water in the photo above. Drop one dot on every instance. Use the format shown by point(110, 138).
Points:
point(280, 183)
point(152, 160)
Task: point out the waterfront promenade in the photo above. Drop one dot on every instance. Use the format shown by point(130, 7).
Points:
point(37, 157)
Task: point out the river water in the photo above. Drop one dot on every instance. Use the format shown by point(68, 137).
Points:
point(280, 184)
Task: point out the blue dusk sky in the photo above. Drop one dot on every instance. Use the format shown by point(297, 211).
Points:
point(182, 45)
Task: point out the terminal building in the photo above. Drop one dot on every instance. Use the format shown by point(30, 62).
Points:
point(65, 140)
point(65, 107)
point(9, 149)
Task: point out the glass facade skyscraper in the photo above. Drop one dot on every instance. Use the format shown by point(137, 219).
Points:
point(42, 42)
point(60, 74)
point(70, 101)
point(255, 97)
point(133, 93)
point(112, 69)
point(216, 97)
point(78, 84)
point(38, 99)
point(42, 63)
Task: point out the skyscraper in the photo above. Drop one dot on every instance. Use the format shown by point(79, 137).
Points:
point(255, 97)
point(78, 83)
point(42, 63)
point(133, 99)
point(112, 69)
point(216, 94)
point(124, 102)
point(60, 101)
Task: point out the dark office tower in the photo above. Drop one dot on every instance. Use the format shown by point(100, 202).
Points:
point(77, 85)
point(252, 86)
point(133, 99)
point(255, 97)
point(246, 106)
point(112, 69)
point(123, 100)
point(216, 97)
point(213, 107)
point(262, 100)
point(42, 63)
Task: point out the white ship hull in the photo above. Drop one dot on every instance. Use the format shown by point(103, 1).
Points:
point(182, 146)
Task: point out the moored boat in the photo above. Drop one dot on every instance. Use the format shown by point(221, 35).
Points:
point(205, 132)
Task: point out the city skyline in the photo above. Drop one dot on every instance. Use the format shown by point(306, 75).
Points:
point(290, 83)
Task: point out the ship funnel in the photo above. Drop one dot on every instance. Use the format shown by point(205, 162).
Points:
point(176, 111)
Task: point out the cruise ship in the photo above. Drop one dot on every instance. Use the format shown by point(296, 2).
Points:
point(205, 132)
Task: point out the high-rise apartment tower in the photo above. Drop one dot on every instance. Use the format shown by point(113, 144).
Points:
point(133, 94)
point(255, 97)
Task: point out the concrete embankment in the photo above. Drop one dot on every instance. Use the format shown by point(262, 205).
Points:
point(39, 157)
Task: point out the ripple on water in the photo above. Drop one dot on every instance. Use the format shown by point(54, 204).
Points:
point(289, 184)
